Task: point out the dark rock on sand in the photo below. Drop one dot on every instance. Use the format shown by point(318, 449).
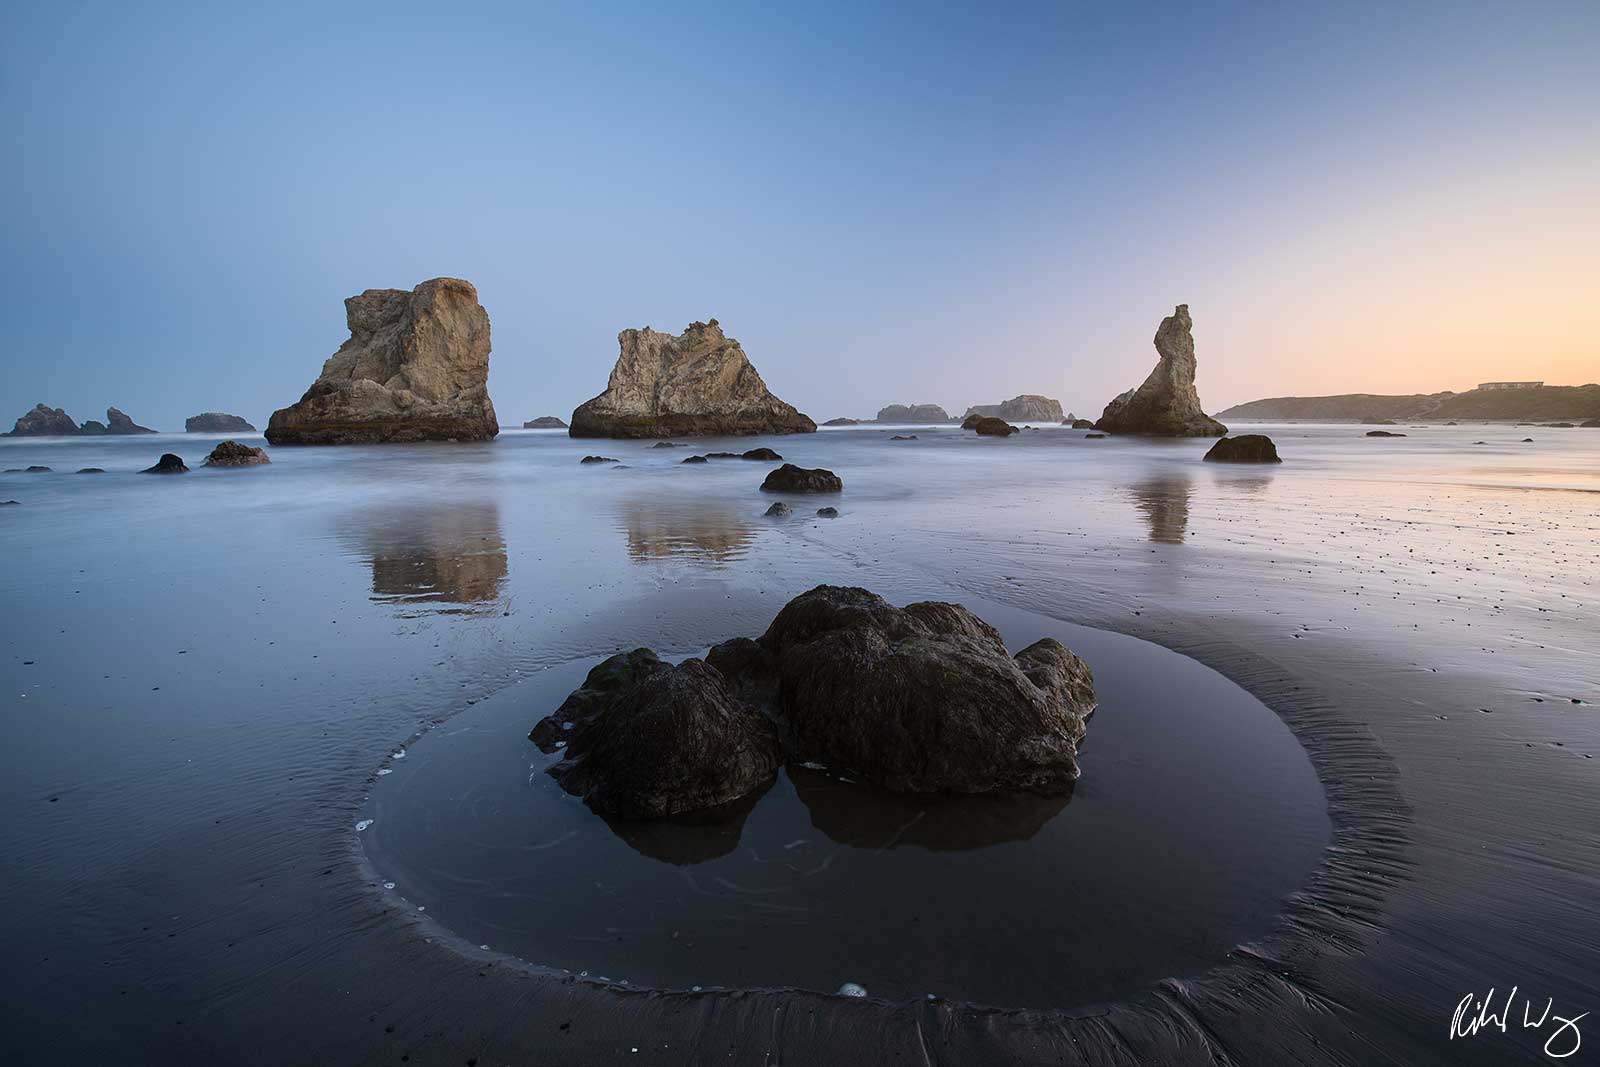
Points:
point(763, 453)
point(117, 422)
point(90, 470)
point(597, 459)
point(663, 444)
point(828, 513)
point(167, 464)
point(991, 427)
point(1166, 404)
point(1590, 424)
point(1559, 425)
point(216, 422)
point(1525, 440)
point(44, 422)
point(672, 739)
point(545, 422)
point(1245, 448)
point(904, 437)
point(697, 384)
point(1029, 407)
point(1093, 436)
point(1383, 433)
point(234, 454)
point(791, 479)
point(602, 683)
point(913, 413)
point(842, 422)
point(416, 368)
point(778, 510)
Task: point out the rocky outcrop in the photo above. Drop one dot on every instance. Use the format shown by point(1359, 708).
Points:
point(234, 454)
point(1081, 424)
point(1166, 404)
point(1245, 448)
point(992, 427)
point(842, 422)
point(694, 385)
point(791, 479)
point(590, 460)
point(44, 422)
point(1029, 407)
point(216, 422)
point(117, 422)
point(670, 739)
point(167, 464)
point(93, 428)
point(545, 422)
point(919, 413)
point(921, 699)
point(416, 368)
point(827, 513)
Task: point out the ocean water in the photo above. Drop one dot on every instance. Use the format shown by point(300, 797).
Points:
point(203, 675)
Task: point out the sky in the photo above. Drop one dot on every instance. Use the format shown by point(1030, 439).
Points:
point(884, 204)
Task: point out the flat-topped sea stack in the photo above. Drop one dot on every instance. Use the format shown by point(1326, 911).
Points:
point(1029, 407)
point(1166, 404)
point(416, 368)
point(920, 413)
point(545, 422)
point(216, 422)
point(698, 384)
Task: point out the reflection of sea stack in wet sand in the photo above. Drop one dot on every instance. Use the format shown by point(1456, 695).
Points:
point(1166, 404)
point(921, 699)
point(416, 368)
point(439, 555)
point(694, 385)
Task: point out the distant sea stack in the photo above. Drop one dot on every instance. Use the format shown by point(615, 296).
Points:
point(117, 422)
point(1166, 404)
point(913, 413)
point(544, 422)
point(216, 422)
point(416, 368)
point(697, 384)
point(45, 421)
point(1029, 407)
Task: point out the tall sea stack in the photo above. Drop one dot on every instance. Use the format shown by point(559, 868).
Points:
point(1166, 404)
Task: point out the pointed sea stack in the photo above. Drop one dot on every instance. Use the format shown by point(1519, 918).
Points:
point(416, 368)
point(697, 384)
point(1166, 404)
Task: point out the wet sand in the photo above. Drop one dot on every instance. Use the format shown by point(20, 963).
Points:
point(1423, 627)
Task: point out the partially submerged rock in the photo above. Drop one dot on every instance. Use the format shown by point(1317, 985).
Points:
point(36, 468)
point(596, 459)
point(216, 422)
point(913, 413)
point(1590, 424)
point(828, 513)
point(762, 453)
point(903, 437)
point(545, 422)
point(1082, 424)
point(416, 368)
point(117, 422)
point(697, 384)
point(167, 464)
point(842, 422)
point(1166, 404)
point(919, 699)
point(992, 427)
point(778, 510)
point(1093, 436)
point(234, 454)
point(695, 459)
point(1383, 433)
point(672, 739)
point(90, 470)
point(1029, 407)
point(1244, 448)
point(44, 422)
point(791, 479)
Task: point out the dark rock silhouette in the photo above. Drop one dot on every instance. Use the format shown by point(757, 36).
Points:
point(992, 427)
point(791, 479)
point(44, 422)
point(1245, 448)
point(234, 454)
point(117, 422)
point(1383, 433)
point(216, 422)
point(167, 464)
point(545, 422)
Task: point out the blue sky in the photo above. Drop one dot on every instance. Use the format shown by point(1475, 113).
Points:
point(885, 204)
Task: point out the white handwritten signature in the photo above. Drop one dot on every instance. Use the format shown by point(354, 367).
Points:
point(1468, 1022)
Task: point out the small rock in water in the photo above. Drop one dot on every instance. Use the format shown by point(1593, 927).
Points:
point(791, 479)
point(850, 989)
point(828, 513)
point(167, 464)
point(696, 459)
point(597, 459)
point(91, 470)
point(777, 510)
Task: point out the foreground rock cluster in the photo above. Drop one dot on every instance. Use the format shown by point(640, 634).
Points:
point(1166, 404)
point(921, 699)
point(697, 384)
point(416, 368)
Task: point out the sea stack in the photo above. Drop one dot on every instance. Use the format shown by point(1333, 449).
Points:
point(1166, 404)
point(697, 384)
point(913, 413)
point(216, 422)
point(1029, 407)
point(44, 421)
point(416, 368)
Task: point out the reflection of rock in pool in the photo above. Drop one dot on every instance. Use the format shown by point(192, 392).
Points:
point(673, 530)
point(1165, 503)
point(692, 837)
point(863, 816)
point(450, 554)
